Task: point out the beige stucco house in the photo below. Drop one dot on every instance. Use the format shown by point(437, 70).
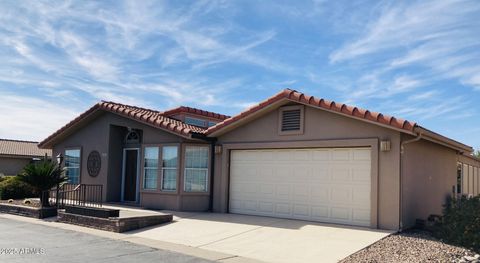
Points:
point(290, 156)
point(15, 154)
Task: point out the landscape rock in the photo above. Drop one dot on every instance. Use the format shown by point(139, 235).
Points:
point(412, 246)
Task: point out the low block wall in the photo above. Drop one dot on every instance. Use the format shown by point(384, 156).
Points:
point(114, 224)
point(35, 212)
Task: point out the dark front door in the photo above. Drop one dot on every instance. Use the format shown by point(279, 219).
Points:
point(130, 173)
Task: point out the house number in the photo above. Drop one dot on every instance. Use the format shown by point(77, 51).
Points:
point(94, 163)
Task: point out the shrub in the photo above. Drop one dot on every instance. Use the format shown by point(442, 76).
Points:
point(13, 188)
point(460, 224)
point(43, 176)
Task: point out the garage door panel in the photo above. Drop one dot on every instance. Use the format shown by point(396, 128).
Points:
point(283, 209)
point(340, 174)
point(326, 185)
point(341, 213)
point(320, 175)
point(340, 155)
point(320, 212)
point(361, 215)
point(265, 207)
point(361, 174)
point(340, 195)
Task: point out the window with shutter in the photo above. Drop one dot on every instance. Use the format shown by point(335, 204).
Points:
point(291, 120)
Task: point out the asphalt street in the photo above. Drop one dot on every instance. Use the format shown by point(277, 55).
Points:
point(24, 242)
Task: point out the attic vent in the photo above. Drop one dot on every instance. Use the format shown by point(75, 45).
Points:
point(291, 120)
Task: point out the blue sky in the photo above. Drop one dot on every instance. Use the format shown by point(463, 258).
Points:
point(418, 60)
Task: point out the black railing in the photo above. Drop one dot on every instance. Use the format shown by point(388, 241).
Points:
point(77, 195)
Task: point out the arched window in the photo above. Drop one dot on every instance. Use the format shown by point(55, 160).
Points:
point(132, 137)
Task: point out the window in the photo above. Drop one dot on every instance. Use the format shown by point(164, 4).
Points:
point(169, 168)
point(196, 168)
point(290, 119)
point(72, 165)
point(150, 168)
point(211, 123)
point(132, 137)
point(194, 121)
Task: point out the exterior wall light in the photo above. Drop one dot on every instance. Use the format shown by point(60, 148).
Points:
point(218, 149)
point(385, 146)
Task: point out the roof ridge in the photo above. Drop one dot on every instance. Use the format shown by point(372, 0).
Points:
point(128, 105)
point(14, 140)
point(194, 110)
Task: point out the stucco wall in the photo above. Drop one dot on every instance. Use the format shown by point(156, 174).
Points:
point(105, 134)
point(428, 174)
point(324, 126)
point(12, 165)
point(96, 136)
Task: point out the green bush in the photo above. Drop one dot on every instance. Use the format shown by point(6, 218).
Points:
point(12, 188)
point(460, 224)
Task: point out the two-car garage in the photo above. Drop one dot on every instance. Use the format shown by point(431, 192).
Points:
point(330, 185)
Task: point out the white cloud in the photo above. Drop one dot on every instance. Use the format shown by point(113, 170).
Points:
point(28, 118)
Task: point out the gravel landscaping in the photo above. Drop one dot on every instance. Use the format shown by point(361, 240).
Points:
point(32, 202)
point(412, 246)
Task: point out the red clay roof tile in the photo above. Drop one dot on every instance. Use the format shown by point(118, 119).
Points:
point(150, 117)
point(195, 111)
point(343, 109)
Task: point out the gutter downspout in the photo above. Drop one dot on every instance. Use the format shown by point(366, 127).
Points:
point(212, 142)
point(402, 151)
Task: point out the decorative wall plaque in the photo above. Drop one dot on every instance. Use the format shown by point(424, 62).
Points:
point(94, 163)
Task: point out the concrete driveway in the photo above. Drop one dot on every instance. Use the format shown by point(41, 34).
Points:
point(263, 238)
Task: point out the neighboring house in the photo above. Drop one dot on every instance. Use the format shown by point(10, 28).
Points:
point(291, 156)
point(14, 155)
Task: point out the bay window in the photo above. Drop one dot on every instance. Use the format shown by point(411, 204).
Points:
point(196, 169)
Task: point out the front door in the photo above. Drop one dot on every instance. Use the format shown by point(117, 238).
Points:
point(130, 175)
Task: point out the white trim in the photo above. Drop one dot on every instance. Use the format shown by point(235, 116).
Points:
point(186, 168)
point(137, 187)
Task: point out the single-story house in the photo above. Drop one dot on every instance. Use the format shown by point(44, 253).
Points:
point(15, 154)
point(290, 156)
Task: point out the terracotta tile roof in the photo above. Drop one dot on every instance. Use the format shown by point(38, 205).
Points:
point(22, 148)
point(147, 116)
point(195, 111)
point(295, 96)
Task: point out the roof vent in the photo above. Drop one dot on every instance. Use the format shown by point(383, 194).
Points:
point(291, 120)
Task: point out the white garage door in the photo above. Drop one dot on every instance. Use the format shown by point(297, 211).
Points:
point(325, 184)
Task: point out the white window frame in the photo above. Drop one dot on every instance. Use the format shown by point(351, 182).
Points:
point(198, 169)
point(169, 168)
point(79, 163)
point(150, 168)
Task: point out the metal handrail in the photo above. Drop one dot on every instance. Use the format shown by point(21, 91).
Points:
point(77, 195)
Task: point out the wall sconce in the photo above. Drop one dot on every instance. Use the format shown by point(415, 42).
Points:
point(218, 149)
point(385, 146)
